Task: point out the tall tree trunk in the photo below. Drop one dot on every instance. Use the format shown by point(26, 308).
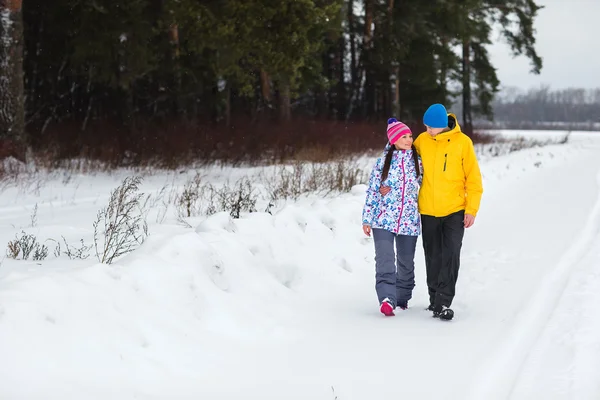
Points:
point(363, 66)
point(265, 86)
point(444, 66)
point(322, 93)
point(321, 103)
point(264, 99)
point(228, 104)
point(175, 46)
point(352, 37)
point(341, 86)
point(368, 32)
point(466, 92)
point(395, 101)
point(369, 89)
point(384, 95)
point(215, 112)
point(12, 99)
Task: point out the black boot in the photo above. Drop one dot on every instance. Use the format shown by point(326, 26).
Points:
point(443, 313)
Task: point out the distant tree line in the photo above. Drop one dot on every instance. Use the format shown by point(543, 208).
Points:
point(546, 108)
point(79, 64)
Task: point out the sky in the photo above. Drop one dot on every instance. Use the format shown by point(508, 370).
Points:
point(567, 39)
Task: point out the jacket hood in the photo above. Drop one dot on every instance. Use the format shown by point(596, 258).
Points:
point(452, 125)
point(453, 122)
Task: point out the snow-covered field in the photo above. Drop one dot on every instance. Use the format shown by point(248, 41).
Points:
point(283, 306)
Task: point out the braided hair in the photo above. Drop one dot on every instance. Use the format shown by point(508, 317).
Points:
point(388, 161)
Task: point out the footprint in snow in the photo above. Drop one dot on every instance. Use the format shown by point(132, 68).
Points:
point(343, 263)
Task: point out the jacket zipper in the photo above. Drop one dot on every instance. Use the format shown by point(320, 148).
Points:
point(403, 188)
point(434, 172)
point(445, 159)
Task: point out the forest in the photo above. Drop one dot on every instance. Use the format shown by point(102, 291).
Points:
point(174, 80)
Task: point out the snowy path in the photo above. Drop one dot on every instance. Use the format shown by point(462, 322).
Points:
point(564, 363)
point(284, 306)
point(519, 352)
point(517, 261)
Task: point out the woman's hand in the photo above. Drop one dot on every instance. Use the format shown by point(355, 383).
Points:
point(367, 230)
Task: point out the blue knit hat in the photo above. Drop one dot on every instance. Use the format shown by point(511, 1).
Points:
point(436, 116)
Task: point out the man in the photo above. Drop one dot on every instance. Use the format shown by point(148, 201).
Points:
point(448, 202)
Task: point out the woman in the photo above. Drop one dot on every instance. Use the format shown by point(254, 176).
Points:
point(393, 217)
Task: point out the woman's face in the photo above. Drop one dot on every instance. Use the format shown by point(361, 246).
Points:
point(405, 142)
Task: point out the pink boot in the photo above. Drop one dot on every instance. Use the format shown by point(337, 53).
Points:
point(386, 308)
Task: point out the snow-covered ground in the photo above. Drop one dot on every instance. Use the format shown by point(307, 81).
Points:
point(283, 306)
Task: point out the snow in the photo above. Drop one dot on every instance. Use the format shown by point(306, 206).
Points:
point(539, 135)
point(567, 347)
point(283, 305)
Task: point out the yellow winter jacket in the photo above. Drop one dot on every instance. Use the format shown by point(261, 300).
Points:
point(451, 177)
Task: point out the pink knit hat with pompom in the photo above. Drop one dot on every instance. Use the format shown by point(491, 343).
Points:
point(396, 129)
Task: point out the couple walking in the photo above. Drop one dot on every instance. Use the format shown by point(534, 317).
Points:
point(431, 187)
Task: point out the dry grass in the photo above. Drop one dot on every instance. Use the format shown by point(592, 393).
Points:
point(104, 146)
point(292, 181)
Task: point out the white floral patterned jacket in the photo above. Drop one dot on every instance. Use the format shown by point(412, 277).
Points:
point(397, 211)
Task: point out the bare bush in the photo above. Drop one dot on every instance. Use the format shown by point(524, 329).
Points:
point(235, 200)
point(24, 245)
point(297, 179)
point(207, 199)
point(27, 243)
point(121, 226)
point(40, 252)
point(285, 182)
point(188, 202)
point(345, 175)
point(10, 168)
point(81, 253)
point(13, 249)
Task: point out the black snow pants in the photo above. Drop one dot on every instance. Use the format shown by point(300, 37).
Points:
point(442, 242)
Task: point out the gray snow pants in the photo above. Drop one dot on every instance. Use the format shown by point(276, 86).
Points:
point(394, 281)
